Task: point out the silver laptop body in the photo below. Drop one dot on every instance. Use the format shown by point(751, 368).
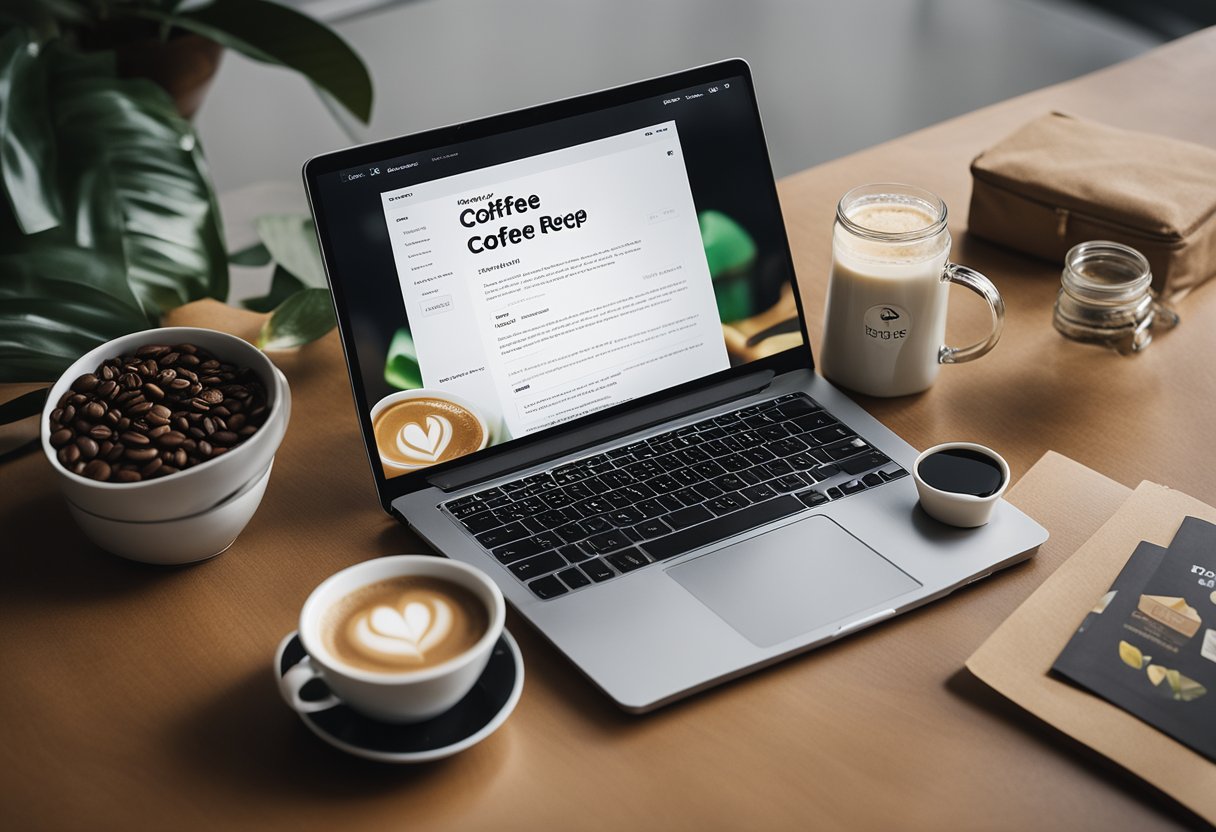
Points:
point(661, 626)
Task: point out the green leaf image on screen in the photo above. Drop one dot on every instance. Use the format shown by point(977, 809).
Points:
point(401, 367)
point(730, 253)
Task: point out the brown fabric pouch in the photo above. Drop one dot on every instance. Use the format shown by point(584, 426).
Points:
point(1059, 181)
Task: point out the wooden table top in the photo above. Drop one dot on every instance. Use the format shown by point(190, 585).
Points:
point(141, 697)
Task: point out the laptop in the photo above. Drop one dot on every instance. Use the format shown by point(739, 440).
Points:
point(580, 363)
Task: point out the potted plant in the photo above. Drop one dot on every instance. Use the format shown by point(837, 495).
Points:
point(108, 217)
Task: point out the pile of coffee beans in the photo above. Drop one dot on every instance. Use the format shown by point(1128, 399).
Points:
point(151, 414)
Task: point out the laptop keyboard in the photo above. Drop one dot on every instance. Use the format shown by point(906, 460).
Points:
point(591, 520)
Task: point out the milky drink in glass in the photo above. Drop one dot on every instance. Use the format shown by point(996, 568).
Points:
point(885, 319)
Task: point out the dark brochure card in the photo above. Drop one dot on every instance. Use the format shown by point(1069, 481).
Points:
point(1149, 645)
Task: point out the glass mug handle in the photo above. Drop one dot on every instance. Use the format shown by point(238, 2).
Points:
point(982, 286)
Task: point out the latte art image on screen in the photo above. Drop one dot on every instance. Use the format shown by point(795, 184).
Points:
point(424, 430)
point(404, 624)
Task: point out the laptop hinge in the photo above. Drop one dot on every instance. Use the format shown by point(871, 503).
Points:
point(644, 417)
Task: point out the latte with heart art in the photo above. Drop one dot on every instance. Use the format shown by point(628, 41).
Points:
point(403, 624)
point(425, 430)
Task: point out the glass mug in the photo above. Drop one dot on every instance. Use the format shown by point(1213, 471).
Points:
point(885, 319)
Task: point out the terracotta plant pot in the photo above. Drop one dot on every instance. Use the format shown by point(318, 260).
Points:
point(184, 65)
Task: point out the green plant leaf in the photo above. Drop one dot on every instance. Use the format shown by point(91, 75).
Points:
point(135, 182)
point(282, 286)
point(401, 368)
point(23, 406)
point(275, 34)
point(303, 317)
point(254, 256)
point(27, 144)
point(57, 302)
point(291, 240)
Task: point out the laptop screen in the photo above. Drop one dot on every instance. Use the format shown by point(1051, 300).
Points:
point(509, 283)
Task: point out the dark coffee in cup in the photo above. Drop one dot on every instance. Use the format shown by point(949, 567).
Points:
point(962, 471)
point(403, 624)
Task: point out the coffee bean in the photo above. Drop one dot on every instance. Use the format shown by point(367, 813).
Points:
point(155, 412)
point(85, 383)
point(170, 440)
point(141, 454)
point(88, 448)
point(97, 470)
point(78, 467)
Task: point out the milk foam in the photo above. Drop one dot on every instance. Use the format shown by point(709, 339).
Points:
point(891, 218)
point(404, 630)
point(425, 444)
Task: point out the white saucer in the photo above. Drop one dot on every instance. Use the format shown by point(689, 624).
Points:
point(470, 720)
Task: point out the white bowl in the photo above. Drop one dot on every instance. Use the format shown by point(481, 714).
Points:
point(184, 540)
point(195, 489)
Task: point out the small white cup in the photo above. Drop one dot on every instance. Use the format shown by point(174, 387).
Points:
point(424, 393)
point(950, 507)
point(410, 696)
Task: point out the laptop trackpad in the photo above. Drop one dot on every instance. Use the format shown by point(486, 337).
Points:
point(789, 581)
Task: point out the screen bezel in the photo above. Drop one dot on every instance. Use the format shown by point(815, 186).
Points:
point(389, 489)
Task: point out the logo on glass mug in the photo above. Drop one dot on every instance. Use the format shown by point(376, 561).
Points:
point(887, 325)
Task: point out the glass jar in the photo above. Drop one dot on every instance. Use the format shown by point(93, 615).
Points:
point(1105, 297)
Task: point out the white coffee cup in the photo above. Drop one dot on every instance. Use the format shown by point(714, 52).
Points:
point(951, 507)
point(409, 696)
